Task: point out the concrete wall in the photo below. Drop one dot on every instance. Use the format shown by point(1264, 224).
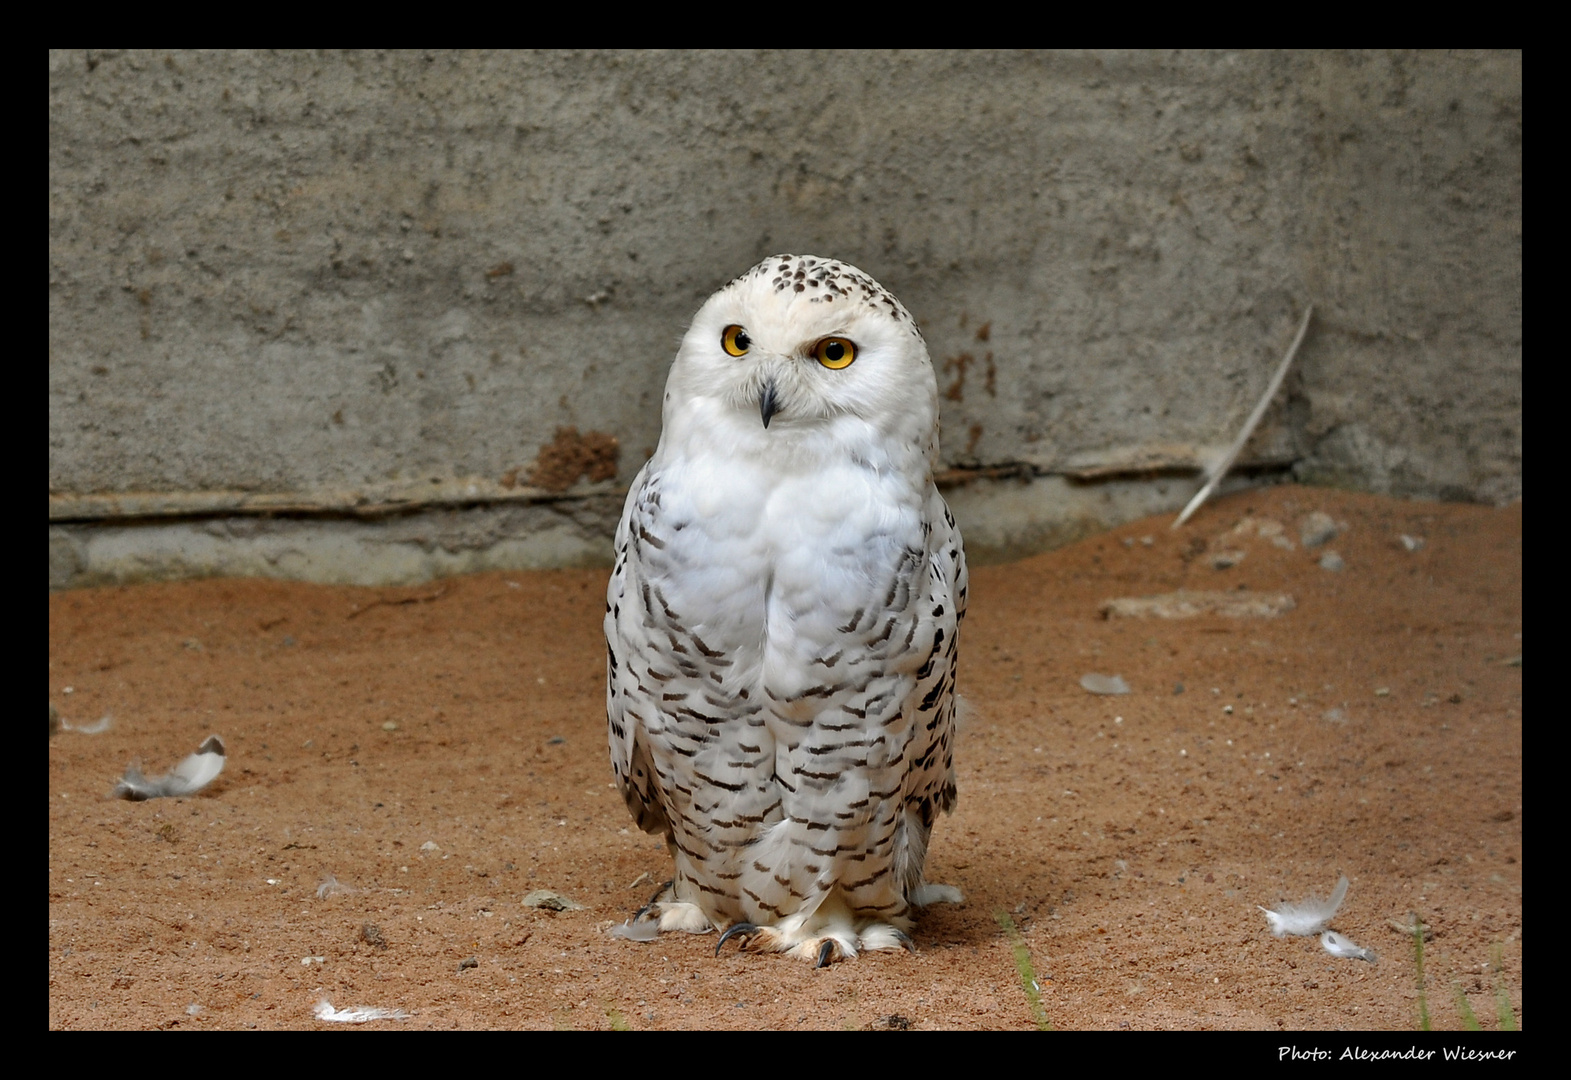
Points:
point(329, 287)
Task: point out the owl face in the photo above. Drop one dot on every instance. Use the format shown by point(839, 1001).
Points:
point(798, 344)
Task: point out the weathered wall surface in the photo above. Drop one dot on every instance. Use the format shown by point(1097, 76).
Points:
point(372, 280)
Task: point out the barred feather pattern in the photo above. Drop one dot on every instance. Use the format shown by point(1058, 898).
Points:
point(782, 624)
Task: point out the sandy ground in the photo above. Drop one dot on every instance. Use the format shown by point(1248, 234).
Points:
point(406, 765)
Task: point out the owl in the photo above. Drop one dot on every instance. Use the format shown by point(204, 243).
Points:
point(782, 620)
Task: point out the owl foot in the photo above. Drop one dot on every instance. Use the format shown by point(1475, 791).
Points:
point(674, 915)
point(824, 947)
point(663, 913)
point(824, 950)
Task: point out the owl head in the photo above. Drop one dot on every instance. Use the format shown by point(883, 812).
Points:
point(798, 347)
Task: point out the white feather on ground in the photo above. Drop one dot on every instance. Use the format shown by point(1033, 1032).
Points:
point(1337, 945)
point(332, 887)
point(1308, 916)
point(187, 778)
point(357, 1014)
point(97, 727)
point(645, 931)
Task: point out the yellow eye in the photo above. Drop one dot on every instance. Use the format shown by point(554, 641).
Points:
point(835, 353)
point(735, 340)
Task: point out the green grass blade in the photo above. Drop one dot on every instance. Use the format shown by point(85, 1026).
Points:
point(614, 1015)
point(1027, 972)
point(1504, 1017)
point(1418, 960)
point(1469, 1021)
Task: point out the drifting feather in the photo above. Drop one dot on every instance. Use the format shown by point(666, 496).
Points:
point(357, 1014)
point(1308, 916)
point(97, 727)
point(331, 886)
point(187, 778)
point(1219, 469)
point(644, 931)
point(1337, 945)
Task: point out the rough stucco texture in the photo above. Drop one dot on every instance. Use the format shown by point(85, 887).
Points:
point(293, 272)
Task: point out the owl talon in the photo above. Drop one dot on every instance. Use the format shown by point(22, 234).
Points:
point(648, 911)
point(826, 952)
point(905, 940)
point(666, 890)
point(742, 928)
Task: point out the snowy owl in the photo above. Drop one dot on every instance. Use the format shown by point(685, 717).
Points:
point(781, 622)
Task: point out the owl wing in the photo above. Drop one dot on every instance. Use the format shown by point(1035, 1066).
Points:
point(930, 781)
point(626, 698)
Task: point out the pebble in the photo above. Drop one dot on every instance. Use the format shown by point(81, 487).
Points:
point(1316, 529)
point(551, 901)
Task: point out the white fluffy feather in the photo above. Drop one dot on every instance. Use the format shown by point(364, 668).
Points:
point(643, 931)
point(355, 1014)
point(1308, 916)
point(1345, 948)
point(187, 778)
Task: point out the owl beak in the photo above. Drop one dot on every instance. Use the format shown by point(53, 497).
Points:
point(768, 403)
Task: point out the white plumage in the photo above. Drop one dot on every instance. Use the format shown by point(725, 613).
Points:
point(781, 622)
